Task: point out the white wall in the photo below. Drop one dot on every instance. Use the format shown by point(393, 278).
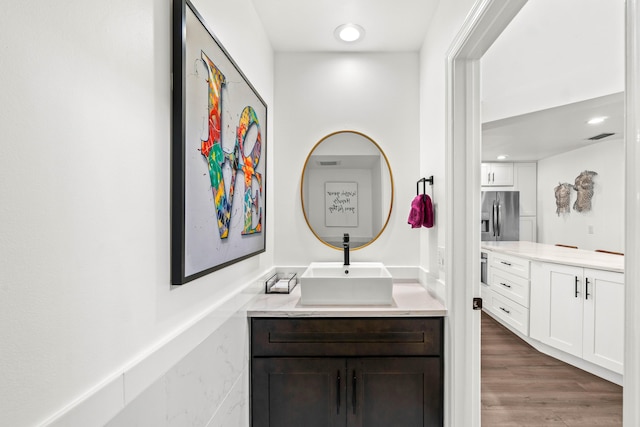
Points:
point(443, 29)
point(554, 53)
point(84, 220)
point(607, 214)
point(320, 93)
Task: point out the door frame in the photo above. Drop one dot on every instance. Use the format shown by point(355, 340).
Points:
point(631, 381)
point(484, 24)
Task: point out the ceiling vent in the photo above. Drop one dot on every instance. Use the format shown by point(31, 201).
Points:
point(600, 136)
point(329, 163)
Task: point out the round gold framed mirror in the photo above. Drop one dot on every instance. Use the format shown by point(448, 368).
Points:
point(347, 187)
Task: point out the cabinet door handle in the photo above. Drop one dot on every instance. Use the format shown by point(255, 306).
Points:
point(576, 287)
point(505, 263)
point(505, 285)
point(493, 177)
point(338, 392)
point(505, 310)
point(586, 288)
point(354, 384)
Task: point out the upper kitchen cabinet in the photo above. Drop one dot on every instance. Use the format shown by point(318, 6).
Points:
point(497, 174)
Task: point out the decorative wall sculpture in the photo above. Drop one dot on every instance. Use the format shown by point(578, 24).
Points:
point(563, 198)
point(218, 131)
point(584, 187)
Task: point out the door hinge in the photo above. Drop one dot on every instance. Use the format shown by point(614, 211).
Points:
point(477, 303)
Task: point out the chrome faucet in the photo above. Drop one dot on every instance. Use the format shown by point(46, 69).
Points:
point(345, 245)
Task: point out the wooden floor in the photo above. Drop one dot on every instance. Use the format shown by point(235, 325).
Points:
point(523, 387)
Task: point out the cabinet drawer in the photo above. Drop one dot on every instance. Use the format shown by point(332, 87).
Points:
point(511, 286)
point(514, 265)
point(514, 314)
point(347, 337)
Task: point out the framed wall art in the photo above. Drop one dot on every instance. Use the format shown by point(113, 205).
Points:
point(218, 156)
point(341, 204)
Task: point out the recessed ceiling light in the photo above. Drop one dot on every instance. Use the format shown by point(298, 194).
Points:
point(597, 120)
point(502, 157)
point(349, 33)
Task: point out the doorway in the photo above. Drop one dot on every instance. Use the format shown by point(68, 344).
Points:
point(487, 20)
point(538, 92)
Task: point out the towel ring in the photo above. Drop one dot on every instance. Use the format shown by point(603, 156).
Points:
point(424, 184)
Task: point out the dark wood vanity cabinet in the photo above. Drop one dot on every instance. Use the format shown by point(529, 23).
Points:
point(364, 372)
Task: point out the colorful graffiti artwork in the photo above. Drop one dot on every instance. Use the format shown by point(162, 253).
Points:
point(216, 157)
point(218, 153)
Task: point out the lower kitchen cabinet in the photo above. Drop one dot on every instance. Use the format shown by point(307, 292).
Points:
point(579, 311)
point(508, 299)
point(347, 372)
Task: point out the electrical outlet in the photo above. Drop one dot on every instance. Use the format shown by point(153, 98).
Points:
point(590, 229)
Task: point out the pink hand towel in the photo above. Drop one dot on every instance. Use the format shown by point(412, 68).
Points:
point(416, 215)
point(428, 212)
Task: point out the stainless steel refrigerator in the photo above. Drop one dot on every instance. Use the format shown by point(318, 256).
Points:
point(500, 218)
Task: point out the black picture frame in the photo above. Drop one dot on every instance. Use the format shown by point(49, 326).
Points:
point(215, 221)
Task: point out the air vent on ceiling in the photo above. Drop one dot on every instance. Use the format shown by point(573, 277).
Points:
point(329, 163)
point(600, 136)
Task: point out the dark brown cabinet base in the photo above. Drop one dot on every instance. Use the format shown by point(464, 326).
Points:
point(347, 372)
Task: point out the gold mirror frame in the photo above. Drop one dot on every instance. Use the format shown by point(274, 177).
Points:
point(302, 183)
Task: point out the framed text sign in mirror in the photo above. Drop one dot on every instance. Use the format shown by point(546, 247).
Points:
point(341, 204)
point(347, 187)
point(218, 154)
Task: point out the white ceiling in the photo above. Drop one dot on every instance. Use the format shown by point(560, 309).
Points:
point(549, 132)
point(401, 25)
point(308, 25)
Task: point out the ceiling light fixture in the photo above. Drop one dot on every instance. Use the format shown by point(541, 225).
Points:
point(597, 120)
point(502, 157)
point(349, 33)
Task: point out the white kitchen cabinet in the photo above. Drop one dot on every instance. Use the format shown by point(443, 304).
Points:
point(508, 299)
point(509, 312)
point(511, 264)
point(579, 311)
point(528, 227)
point(526, 182)
point(603, 342)
point(497, 174)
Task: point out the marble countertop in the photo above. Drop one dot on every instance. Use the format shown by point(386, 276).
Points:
point(409, 300)
point(558, 255)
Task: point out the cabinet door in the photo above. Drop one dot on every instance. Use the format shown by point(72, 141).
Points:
point(509, 312)
point(556, 306)
point(485, 174)
point(496, 174)
point(525, 181)
point(528, 227)
point(513, 287)
point(385, 392)
point(604, 319)
point(309, 392)
point(502, 174)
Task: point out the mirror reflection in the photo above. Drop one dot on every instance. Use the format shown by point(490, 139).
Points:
point(347, 187)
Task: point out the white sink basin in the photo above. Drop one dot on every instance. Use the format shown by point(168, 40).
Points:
point(332, 283)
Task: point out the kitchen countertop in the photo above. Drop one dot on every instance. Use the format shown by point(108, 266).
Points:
point(409, 300)
point(558, 255)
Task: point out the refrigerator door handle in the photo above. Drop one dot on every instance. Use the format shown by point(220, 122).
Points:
point(499, 219)
point(494, 218)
